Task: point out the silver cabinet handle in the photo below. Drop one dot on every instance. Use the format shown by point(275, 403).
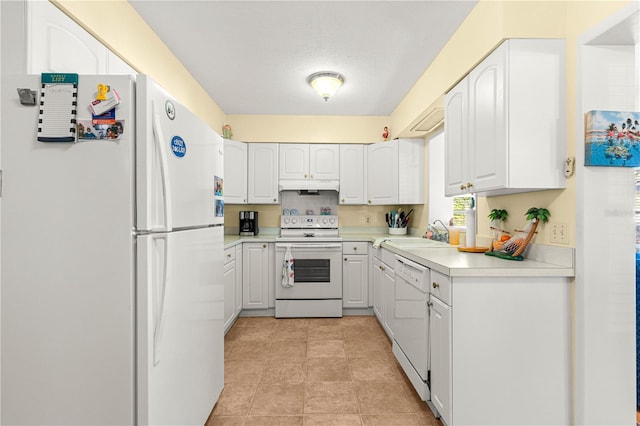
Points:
point(435, 285)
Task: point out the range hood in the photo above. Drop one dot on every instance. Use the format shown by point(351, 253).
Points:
point(308, 185)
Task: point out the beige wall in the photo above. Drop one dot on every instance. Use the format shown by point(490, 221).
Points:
point(308, 129)
point(487, 25)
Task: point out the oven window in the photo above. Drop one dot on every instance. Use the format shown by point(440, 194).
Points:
point(312, 270)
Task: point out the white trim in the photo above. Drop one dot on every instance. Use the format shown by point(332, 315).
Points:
point(604, 331)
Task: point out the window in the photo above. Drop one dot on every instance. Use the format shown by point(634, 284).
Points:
point(441, 207)
point(460, 206)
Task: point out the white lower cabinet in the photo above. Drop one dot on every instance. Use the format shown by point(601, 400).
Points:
point(257, 275)
point(237, 303)
point(229, 286)
point(232, 285)
point(355, 275)
point(500, 350)
point(440, 334)
point(383, 294)
point(378, 300)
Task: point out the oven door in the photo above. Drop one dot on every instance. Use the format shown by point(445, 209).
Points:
point(317, 270)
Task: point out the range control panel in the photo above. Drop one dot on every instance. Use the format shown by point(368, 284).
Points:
point(309, 222)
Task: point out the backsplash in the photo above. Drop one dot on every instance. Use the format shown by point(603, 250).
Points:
point(321, 202)
point(349, 216)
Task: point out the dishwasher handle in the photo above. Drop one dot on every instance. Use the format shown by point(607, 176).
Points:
point(413, 265)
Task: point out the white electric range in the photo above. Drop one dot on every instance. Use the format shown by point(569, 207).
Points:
point(308, 267)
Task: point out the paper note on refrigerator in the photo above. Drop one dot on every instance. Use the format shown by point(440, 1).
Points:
point(58, 104)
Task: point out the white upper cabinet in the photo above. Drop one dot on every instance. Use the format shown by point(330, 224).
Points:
point(324, 161)
point(235, 172)
point(56, 43)
point(395, 172)
point(411, 171)
point(382, 173)
point(309, 161)
point(294, 161)
point(263, 173)
point(505, 124)
point(352, 173)
point(456, 106)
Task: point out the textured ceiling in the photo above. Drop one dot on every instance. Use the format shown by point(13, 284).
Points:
point(254, 57)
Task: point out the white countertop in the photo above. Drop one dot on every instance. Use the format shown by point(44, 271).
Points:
point(454, 263)
point(541, 260)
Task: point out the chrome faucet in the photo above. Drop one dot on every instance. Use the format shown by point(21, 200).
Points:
point(437, 233)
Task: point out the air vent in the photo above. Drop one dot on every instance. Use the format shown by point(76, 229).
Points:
point(432, 120)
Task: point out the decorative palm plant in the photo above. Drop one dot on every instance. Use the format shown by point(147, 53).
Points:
point(499, 215)
point(497, 218)
point(515, 246)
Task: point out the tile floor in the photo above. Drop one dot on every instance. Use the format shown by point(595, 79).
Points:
point(316, 371)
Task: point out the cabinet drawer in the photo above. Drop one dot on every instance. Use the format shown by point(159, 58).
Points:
point(229, 255)
point(351, 247)
point(441, 287)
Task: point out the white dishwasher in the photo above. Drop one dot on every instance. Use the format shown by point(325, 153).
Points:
point(411, 338)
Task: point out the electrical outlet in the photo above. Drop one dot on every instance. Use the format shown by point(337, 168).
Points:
point(367, 220)
point(560, 233)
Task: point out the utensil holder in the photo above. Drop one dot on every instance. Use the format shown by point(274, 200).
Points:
point(398, 231)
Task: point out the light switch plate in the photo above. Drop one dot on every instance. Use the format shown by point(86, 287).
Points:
point(560, 233)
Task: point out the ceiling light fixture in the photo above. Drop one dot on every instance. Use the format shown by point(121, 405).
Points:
point(326, 83)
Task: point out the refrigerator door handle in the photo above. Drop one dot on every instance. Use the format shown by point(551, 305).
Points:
point(164, 169)
point(162, 256)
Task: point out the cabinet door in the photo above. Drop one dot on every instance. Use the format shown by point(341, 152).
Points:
point(352, 189)
point(378, 299)
point(238, 281)
point(440, 347)
point(235, 172)
point(411, 174)
point(456, 104)
point(271, 275)
point(382, 173)
point(116, 66)
point(56, 43)
point(229, 276)
point(389, 288)
point(294, 161)
point(255, 276)
point(324, 161)
point(487, 145)
point(355, 281)
point(263, 173)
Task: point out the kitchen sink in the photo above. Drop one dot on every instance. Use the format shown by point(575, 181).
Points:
point(415, 242)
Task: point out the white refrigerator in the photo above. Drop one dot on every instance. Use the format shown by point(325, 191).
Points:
point(112, 295)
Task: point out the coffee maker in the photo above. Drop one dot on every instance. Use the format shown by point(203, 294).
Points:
point(249, 223)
